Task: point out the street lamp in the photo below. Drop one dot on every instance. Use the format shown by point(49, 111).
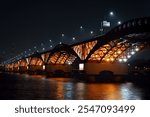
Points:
point(62, 35)
point(51, 46)
point(111, 13)
point(73, 38)
point(91, 32)
point(62, 38)
point(119, 22)
point(50, 43)
point(81, 27)
point(43, 49)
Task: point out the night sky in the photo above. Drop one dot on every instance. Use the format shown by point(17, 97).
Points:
point(27, 23)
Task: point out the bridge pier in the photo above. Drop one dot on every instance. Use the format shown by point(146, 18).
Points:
point(55, 68)
point(116, 68)
point(23, 69)
point(35, 69)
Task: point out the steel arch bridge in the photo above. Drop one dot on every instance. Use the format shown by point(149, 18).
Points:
point(118, 45)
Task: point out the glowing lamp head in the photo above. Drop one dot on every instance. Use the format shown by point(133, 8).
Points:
point(119, 52)
point(62, 35)
point(136, 49)
point(125, 60)
point(129, 56)
point(119, 22)
point(120, 60)
point(132, 52)
point(108, 60)
point(73, 38)
point(91, 32)
point(111, 13)
point(43, 67)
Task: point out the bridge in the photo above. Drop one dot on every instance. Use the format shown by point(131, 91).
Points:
point(110, 51)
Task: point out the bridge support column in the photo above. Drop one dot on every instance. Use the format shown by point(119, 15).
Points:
point(23, 69)
point(35, 69)
point(54, 67)
point(116, 68)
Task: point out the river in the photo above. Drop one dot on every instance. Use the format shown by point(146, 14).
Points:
point(37, 87)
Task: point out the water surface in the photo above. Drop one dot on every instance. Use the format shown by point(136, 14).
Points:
point(17, 86)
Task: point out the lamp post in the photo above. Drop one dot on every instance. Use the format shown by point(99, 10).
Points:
point(62, 37)
point(51, 45)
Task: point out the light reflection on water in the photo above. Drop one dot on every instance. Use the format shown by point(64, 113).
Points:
point(38, 87)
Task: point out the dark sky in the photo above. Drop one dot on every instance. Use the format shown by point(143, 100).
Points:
point(27, 23)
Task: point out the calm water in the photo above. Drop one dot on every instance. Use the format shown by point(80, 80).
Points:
point(16, 86)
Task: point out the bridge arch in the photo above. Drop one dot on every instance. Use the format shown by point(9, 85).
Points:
point(62, 54)
point(133, 32)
